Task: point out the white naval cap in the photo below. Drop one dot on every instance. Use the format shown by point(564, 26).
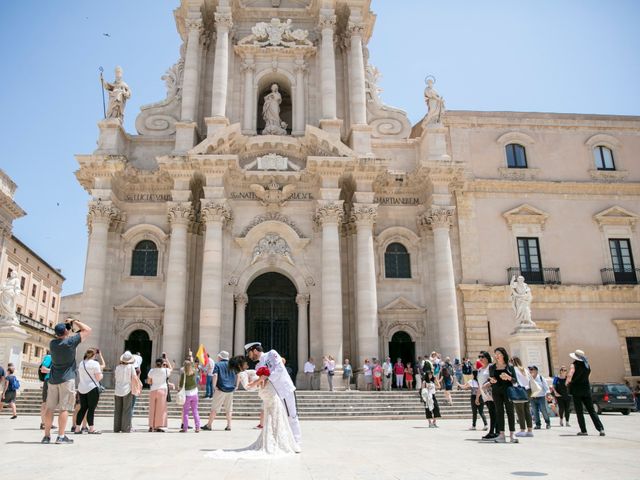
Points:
point(252, 344)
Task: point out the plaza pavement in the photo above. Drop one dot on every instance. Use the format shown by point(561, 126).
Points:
point(332, 450)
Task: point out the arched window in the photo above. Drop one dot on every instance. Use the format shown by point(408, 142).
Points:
point(144, 261)
point(397, 263)
point(516, 156)
point(603, 157)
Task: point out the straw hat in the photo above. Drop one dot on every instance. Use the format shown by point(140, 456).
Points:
point(578, 355)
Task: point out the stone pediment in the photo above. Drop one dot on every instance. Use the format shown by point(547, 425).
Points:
point(401, 305)
point(616, 215)
point(139, 302)
point(525, 214)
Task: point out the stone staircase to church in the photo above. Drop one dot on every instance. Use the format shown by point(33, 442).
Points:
point(312, 405)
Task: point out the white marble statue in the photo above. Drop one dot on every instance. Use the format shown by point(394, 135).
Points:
point(119, 93)
point(9, 292)
point(521, 301)
point(271, 113)
point(435, 104)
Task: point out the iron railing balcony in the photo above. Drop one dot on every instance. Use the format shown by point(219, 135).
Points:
point(542, 276)
point(613, 276)
point(33, 323)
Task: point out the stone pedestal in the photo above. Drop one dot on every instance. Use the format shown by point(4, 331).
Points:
point(360, 139)
point(12, 339)
point(215, 124)
point(437, 143)
point(112, 139)
point(529, 344)
point(186, 136)
point(332, 126)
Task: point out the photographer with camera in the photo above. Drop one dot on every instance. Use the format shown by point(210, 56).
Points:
point(62, 375)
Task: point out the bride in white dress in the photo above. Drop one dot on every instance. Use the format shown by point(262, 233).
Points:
point(276, 437)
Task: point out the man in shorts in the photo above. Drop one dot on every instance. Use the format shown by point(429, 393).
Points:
point(225, 380)
point(62, 376)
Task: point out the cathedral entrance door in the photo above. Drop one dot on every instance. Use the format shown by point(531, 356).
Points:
point(272, 316)
point(139, 342)
point(402, 347)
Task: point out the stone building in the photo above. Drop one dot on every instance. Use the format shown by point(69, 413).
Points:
point(318, 220)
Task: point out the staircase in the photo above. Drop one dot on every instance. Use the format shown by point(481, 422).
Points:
point(312, 405)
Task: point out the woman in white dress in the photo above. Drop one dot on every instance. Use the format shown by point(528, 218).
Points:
point(276, 437)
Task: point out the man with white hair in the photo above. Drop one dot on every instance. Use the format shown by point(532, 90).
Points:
point(225, 381)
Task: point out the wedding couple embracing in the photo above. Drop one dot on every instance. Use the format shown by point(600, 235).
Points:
point(281, 429)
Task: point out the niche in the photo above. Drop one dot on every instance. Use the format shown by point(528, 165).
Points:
point(286, 107)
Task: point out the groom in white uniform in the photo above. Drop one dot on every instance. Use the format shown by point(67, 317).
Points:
point(280, 380)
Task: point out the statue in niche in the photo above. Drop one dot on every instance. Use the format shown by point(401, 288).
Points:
point(435, 104)
point(9, 292)
point(271, 113)
point(119, 93)
point(521, 301)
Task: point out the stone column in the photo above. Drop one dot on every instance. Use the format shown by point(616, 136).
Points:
point(439, 219)
point(180, 216)
point(248, 67)
point(299, 119)
point(364, 216)
point(329, 216)
point(221, 65)
point(356, 75)
point(241, 300)
point(191, 76)
point(303, 339)
point(100, 216)
point(328, 66)
point(215, 215)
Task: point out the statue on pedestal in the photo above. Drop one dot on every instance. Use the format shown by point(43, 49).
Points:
point(119, 93)
point(271, 113)
point(435, 104)
point(9, 292)
point(521, 301)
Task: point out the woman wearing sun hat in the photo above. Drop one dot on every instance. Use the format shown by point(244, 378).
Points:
point(580, 389)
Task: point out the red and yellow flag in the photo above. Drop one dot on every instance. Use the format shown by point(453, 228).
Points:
point(201, 355)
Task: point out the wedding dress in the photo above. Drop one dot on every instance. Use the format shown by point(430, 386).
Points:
point(275, 438)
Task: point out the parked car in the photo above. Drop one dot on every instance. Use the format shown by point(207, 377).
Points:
point(612, 397)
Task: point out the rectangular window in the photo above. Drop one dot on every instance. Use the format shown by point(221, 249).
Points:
point(622, 261)
point(516, 156)
point(604, 158)
point(529, 257)
point(34, 290)
point(9, 272)
point(38, 352)
point(30, 314)
point(23, 281)
point(53, 302)
point(25, 349)
point(19, 309)
point(633, 348)
point(44, 296)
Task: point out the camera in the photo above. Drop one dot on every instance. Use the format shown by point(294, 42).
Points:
point(68, 325)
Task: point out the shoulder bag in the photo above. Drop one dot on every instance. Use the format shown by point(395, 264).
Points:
point(136, 384)
point(168, 389)
point(99, 386)
point(181, 396)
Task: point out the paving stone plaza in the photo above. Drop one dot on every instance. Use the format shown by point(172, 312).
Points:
point(332, 450)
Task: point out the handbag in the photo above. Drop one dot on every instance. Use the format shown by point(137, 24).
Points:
point(99, 386)
point(136, 384)
point(168, 390)
point(181, 396)
point(517, 394)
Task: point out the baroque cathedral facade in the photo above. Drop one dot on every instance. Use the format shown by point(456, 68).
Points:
point(272, 196)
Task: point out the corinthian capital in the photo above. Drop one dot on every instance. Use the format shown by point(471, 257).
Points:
point(223, 20)
point(329, 213)
point(302, 299)
point(364, 214)
point(101, 212)
point(241, 299)
point(216, 212)
point(327, 21)
point(194, 24)
point(436, 217)
point(355, 28)
point(180, 213)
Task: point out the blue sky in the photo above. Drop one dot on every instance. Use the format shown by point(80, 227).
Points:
point(573, 56)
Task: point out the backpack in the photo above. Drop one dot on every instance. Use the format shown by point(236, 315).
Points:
point(14, 383)
point(41, 374)
point(445, 372)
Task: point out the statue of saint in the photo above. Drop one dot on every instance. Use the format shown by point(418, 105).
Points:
point(521, 301)
point(435, 104)
point(119, 92)
point(271, 113)
point(9, 292)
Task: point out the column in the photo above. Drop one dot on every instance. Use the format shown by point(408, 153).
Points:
point(303, 331)
point(356, 76)
point(180, 217)
point(364, 216)
point(191, 74)
point(299, 119)
point(329, 216)
point(439, 219)
point(248, 67)
point(99, 219)
point(328, 65)
point(221, 65)
point(241, 300)
point(215, 215)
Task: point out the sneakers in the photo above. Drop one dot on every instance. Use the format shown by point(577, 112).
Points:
point(472, 428)
point(206, 427)
point(582, 434)
point(602, 433)
point(45, 440)
point(14, 417)
point(63, 440)
point(528, 434)
point(561, 423)
point(548, 426)
point(500, 439)
point(514, 440)
point(489, 436)
point(521, 434)
point(537, 427)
